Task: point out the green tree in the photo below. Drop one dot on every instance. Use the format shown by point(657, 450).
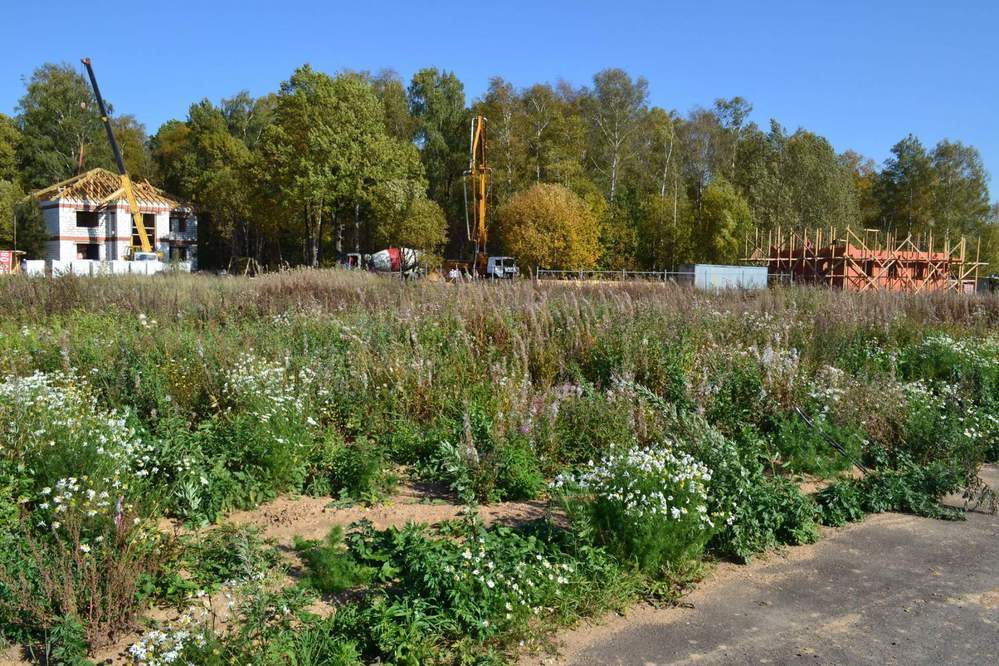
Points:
point(502, 107)
point(328, 151)
point(173, 154)
point(990, 241)
point(699, 136)
point(905, 188)
point(405, 217)
point(821, 190)
point(58, 119)
point(665, 232)
point(134, 143)
point(392, 92)
point(15, 209)
point(220, 184)
point(615, 108)
point(549, 226)
point(864, 173)
point(10, 195)
point(795, 181)
point(725, 221)
point(437, 104)
point(733, 115)
point(10, 139)
point(960, 189)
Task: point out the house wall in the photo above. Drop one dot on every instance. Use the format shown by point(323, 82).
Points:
point(113, 233)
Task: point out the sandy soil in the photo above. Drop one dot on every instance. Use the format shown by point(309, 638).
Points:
point(312, 517)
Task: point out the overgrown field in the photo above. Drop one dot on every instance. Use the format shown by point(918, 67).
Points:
point(663, 427)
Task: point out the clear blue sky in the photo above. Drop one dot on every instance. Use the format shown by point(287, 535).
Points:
point(862, 74)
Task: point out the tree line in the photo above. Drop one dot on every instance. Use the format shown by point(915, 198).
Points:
point(357, 161)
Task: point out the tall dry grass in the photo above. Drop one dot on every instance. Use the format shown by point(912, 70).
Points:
point(209, 297)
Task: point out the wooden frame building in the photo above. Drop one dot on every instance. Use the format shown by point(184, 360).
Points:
point(869, 260)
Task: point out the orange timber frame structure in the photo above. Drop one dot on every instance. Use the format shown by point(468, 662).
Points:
point(870, 260)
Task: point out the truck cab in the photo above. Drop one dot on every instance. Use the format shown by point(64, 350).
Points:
point(502, 268)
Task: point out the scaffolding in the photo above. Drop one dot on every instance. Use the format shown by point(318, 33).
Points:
point(869, 260)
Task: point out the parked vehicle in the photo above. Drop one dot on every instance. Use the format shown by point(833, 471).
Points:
point(502, 268)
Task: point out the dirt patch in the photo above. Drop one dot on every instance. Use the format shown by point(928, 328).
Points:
point(312, 517)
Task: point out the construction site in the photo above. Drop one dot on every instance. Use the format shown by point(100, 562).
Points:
point(524, 359)
point(868, 260)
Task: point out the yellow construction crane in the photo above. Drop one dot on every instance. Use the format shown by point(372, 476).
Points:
point(144, 245)
point(477, 179)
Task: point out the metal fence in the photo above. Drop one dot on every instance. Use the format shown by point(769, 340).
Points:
point(677, 277)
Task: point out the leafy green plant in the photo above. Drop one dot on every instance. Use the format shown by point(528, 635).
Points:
point(355, 471)
point(227, 553)
point(520, 476)
point(805, 447)
point(329, 566)
point(907, 488)
point(763, 511)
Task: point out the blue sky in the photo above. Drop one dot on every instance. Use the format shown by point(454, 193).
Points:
point(863, 74)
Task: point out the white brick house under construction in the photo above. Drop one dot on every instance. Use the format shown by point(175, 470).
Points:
point(87, 217)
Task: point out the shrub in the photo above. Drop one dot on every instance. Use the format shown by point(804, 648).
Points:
point(82, 556)
point(350, 471)
point(329, 567)
point(805, 448)
point(648, 507)
point(227, 554)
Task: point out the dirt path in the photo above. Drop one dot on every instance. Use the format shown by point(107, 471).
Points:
point(312, 517)
point(894, 589)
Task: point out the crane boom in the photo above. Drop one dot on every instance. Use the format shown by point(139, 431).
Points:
point(126, 182)
point(477, 179)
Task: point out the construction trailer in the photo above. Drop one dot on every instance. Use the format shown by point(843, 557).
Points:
point(868, 260)
point(713, 277)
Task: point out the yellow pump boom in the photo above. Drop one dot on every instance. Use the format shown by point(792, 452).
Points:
point(126, 182)
point(477, 179)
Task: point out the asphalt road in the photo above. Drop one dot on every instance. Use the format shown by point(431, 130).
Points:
point(891, 590)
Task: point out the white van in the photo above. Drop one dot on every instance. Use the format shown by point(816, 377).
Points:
point(502, 268)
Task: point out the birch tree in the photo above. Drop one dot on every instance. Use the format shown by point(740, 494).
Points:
point(615, 108)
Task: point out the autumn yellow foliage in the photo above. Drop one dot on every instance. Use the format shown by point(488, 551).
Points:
point(548, 226)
